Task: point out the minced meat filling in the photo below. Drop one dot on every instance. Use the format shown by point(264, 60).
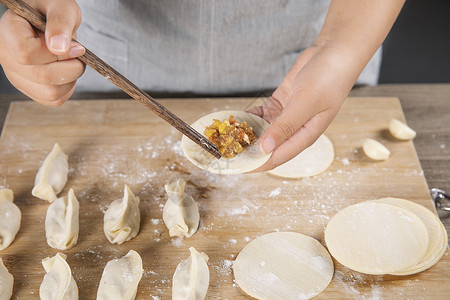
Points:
point(230, 136)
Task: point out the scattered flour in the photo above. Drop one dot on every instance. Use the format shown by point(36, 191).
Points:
point(345, 161)
point(239, 211)
point(178, 242)
point(275, 192)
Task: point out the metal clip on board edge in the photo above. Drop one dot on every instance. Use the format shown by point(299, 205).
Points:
point(441, 199)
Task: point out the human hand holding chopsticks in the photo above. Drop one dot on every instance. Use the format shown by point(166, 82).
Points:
point(35, 18)
point(42, 66)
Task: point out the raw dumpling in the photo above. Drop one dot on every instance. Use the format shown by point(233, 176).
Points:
point(247, 161)
point(62, 222)
point(6, 282)
point(58, 283)
point(191, 278)
point(10, 216)
point(122, 219)
point(121, 277)
point(180, 213)
point(52, 175)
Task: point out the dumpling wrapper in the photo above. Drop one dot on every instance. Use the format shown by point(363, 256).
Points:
point(246, 161)
point(52, 175)
point(312, 161)
point(376, 238)
point(6, 282)
point(191, 278)
point(62, 222)
point(437, 235)
point(123, 218)
point(283, 265)
point(10, 217)
point(58, 283)
point(180, 213)
point(121, 277)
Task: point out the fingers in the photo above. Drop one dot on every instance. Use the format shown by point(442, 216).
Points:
point(299, 141)
point(49, 95)
point(269, 110)
point(63, 20)
point(21, 42)
point(28, 46)
point(41, 65)
point(56, 73)
point(296, 113)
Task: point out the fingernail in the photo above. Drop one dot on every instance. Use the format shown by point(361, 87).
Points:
point(76, 51)
point(267, 145)
point(59, 43)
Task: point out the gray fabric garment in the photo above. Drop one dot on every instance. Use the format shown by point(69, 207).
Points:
point(200, 46)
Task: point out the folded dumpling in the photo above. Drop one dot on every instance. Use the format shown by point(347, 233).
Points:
point(191, 278)
point(62, 222)
point(6, 282)
point(52, 175)
point(10, 216)
point(122, 219)
point(121, 277)
point(58, 283)
point(180, 213)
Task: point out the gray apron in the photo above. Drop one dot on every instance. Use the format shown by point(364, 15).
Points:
point(201, 46)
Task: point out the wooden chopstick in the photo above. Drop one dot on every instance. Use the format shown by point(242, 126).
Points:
point(38, 20)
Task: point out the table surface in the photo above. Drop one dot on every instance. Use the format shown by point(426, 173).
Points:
point(426, 108)
point(107, 148)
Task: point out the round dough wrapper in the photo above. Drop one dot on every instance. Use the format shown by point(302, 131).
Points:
point(376, 238)
point(437, 235)
point(283, 265)
point(246, 161)
point(312, 161)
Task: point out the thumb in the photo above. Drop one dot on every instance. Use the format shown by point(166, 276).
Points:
point(63, 19)
point(291, 119)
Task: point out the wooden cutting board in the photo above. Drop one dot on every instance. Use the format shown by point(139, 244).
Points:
point(112, 143)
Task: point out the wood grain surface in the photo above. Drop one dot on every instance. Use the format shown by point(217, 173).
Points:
point(112, 143)
point(427, 110)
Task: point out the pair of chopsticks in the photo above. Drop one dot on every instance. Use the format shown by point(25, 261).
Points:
point(38, 20)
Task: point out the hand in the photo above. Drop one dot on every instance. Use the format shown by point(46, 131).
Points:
point(305, 103)
point(43, 66)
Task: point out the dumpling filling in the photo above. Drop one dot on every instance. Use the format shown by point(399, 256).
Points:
point(230, 136)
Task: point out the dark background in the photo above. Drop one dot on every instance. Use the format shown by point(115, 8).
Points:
point(417, 50)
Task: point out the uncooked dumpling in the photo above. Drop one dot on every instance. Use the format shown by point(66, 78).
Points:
point(52, 175)
point(122, 219)
point(10, 216)
point(376, 238)
point(6, 282)
point(58, 283)
point(246, 161)
point(121, 277)
point(191, 278)
point(283, 265)
point(180, 213)
point(312, 161)
point(62, 222)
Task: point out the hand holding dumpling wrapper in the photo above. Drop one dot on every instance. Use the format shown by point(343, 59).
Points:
point(246, 161)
